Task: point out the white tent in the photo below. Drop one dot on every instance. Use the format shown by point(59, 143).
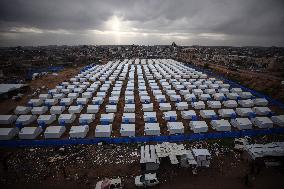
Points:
point(66, 91)
point(152, 129)
point(241, 123)
point(78, 90)
point(160, 98)
point(208, 114)
point(30, 132)
point(116, 92)
point(198, 126)
point(197, 91)
point(246, 103)
point(278, 120)
point(175, 98)
point(75, 109)
point(227, 113)
point(262, 122)
point(98, 100)
point(150, 116)
point(56, 90)
point(44, 96)
point(39, 110)
point(165, 106)
point(8, 133)
point(26, 119)
point(73, 96)
point(230, 104)
point(211, 92)
point(79, 131)
point(170, 115)
point(214, 104)
point(198, 105)
point(236, 90)
point(233, 96)
point(57, 109)
point(245, 95)
point(260, 102)
point(188, 114)
point(190, 97)
point(127, 130)
point(35, 102)
point(261, 110)
point(143, 93)
point(184, 92)
point(221, 125)
point(58, 96)
point(51, 102)
point(46, 119)
point(54, 132)
point(113, 99)
point(81, 101)
point(22, 110)
point(244, 111)
point(111, 108)
point(175, 127)
point(87, 95)
point(129, 99)
point(66, 118)
point(128, 118)
point(91, 109)
point(182, 106)
point(204, 97)
point(7, 119)
point(223, 90)
point(147, 107)
point(86, 118)
point(103, 130)
point(145, 99)
point(66, 101)
point(129, 108)
point(107, 118)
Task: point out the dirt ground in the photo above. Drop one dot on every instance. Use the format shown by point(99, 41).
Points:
point(82, 166)
point(43, 83)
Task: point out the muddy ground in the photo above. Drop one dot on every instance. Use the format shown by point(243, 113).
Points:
point(82, 166)
point(43, 84)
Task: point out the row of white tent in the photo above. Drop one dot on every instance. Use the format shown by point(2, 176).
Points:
point(177, 81)
point(128, 129)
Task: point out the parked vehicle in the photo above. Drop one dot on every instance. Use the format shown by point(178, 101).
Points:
point(145, 180)
point(241, 142)
point(109, 183)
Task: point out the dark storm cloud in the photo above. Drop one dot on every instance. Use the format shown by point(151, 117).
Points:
point(214, 22)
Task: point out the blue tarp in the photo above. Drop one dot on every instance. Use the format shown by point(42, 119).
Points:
point(121, 140)
point(41, 70)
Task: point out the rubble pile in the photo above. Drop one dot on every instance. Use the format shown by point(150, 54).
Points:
point(38, 164)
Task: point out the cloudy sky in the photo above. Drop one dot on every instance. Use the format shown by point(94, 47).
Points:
point(143, 22)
